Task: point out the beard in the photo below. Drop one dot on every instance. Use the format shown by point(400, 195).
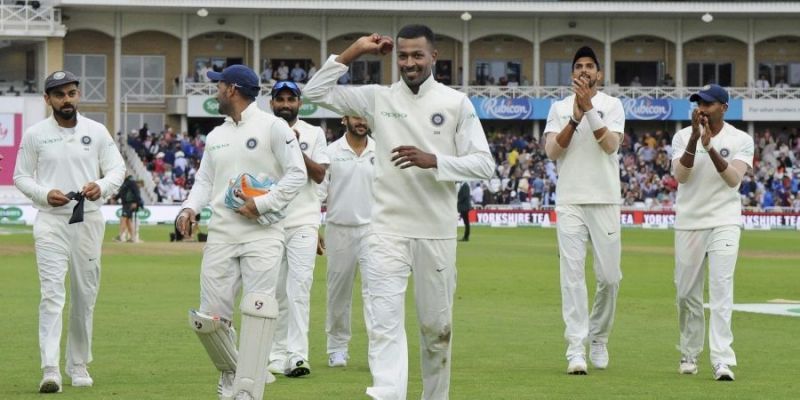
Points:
point(224, 108)
point(356, 129)
point(288, 114)
point(420, 75)
point(592, 82)
point(68, 112)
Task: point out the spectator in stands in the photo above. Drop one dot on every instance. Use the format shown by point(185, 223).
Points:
point(782, 85)
point(668, 80)
point(282, 72)
point(266, 74)
point(762, 82)
point(312, 69)
point(298, 73)
point(144, 133)
point(635, 82)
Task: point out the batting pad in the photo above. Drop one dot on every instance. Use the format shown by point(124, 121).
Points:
point(217, 337)
point(259, 313)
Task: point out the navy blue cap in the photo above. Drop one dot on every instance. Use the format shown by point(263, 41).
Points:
point(711, 93)
point(59, 78)
point(285, 85)
point(238, 76)
point(586, 51)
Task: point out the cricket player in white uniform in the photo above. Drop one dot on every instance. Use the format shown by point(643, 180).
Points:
point(427, 137)
point(709, 160)
point(348, 185)
point(584, 131)
point(64, 155)
point(290, 350)
point(241, 253)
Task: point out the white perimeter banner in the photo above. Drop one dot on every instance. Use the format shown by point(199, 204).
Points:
point(770, 110)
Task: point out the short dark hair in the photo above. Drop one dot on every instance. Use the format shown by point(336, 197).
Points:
point(414, 31)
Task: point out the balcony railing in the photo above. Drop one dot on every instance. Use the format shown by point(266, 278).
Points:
point(24, 19)
point(559, 92)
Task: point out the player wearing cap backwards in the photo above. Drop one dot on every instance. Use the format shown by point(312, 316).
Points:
point(67, 153)
point(583, 133)
point(242, 252)
point(290, 350)
point(709, 160)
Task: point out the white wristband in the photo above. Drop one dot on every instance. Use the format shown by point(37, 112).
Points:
point(595, 122)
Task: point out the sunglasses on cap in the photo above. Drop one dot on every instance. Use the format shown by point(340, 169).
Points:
point(289, 85)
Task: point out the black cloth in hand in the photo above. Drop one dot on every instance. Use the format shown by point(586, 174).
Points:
point(77, 211)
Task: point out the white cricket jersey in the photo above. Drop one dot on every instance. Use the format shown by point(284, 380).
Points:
point(51, 157)
point(586, 173)
point(349, 183)
point(306, 208)
point(412, 202)
point(705, 201)
point(260, 144)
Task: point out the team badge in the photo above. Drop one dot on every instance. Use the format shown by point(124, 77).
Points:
point(372, 160)
point(437, 119)
point(252, 143)
point(724, 152)
point(600, 113)
point(304, 146)
point(86, 140)
point(59, 75)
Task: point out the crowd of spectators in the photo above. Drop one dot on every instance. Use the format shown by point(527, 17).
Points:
point(171, 159)
point(525, 175)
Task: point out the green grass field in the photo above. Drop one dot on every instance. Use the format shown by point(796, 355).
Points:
point(507, 331)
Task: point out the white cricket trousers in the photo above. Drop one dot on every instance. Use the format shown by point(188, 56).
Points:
point(721, 245)
point(228, 267)
point(433, 262)
point(576, 224)
point(294, 293)
point(77, 248)
point(347, 247)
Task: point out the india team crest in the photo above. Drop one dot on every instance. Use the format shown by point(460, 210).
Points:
point(86, 140)
point(303, 146)
point(437, 119)
point(59, 75)
point(724, 152)
point(251, 143)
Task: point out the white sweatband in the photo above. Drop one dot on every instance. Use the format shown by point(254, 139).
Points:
point(595, 122)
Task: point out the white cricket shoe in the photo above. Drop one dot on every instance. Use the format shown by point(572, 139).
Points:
point(598, 354)
point(338, 359)
point(277, 367)
point(225, 385)
point(688, 366)
point(51, 380)
point(577, 365)
point(80, 376)
point(722, 372)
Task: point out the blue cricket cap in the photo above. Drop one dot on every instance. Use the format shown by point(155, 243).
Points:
point(711, 93)
point(239, 76)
